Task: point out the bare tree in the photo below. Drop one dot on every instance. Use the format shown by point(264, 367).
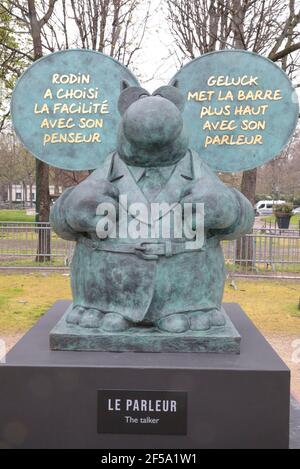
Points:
point(36, 25)
point(9, 161)
point(26, 166)
point(111, 26)
point(114, 27)
point(11, 62)
point(281, 177)
point(19, 167)
point(268, 27)
point(200, 26)
point(34, 16)
point(64, 178)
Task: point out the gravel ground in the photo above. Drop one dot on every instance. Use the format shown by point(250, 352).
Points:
point(10, 341)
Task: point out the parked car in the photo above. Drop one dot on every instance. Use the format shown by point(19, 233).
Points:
point(265, 207)
point(296, 211)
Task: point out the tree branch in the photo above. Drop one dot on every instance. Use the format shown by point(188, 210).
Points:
point(17, 51)
point(48, 14)
point(3, 119)
point(283, 53)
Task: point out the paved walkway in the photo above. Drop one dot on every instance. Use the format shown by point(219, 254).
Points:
point(295, 425)
point(285, 347)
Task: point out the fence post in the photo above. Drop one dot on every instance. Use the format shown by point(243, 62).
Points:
point(271, 253)
point(254, 252)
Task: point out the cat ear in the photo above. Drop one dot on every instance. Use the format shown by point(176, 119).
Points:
point(124, 85)
point(171, 93)
point(128, 96)
point(174, 83)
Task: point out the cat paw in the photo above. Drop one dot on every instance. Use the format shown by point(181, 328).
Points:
point(74, 316)
point(91, 318)
point(174, 323)
point(114, 322)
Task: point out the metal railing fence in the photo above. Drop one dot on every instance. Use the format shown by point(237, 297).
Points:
point(32, 245)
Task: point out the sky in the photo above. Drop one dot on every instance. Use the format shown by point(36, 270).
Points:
point(156, 63)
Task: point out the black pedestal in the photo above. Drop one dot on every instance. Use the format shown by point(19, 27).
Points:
point(48, 399)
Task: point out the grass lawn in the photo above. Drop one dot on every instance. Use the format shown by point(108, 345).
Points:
point(24, 298)
point(29, 261)
point(15, 215)
point(272, 305)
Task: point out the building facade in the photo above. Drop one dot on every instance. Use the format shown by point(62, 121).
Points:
point(26, 193)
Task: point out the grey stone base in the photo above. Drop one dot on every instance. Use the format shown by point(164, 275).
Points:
point(48, 399)
point(64, 336)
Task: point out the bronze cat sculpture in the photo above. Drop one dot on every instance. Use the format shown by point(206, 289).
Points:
point(120, 283)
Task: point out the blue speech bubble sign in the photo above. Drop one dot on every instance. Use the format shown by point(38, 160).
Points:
point(64, 108)
point(240, 108)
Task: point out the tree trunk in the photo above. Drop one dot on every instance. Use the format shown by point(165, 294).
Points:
point(42, 169)
point(57, 173)
point(244, 246)
point(248, 186)
point(43, 211)
point(10, 194)
point(24, 194)
point(30, 195)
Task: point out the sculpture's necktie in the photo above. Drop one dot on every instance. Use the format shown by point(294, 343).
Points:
point(152, 182)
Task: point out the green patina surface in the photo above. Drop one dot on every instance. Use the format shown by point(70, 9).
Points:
point(102, 76)
point(214, 72)
point(121, 285)
point(66, 336)
point(119, 289)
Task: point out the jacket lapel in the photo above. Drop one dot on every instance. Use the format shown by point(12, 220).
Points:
point(122, 178)
point(182, 175)
point(186, 170)
point(196, 165)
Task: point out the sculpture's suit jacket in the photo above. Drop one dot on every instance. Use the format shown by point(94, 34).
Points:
point(146, 289)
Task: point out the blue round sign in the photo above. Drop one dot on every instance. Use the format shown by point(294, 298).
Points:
point(240, 108)
point(64, 108)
